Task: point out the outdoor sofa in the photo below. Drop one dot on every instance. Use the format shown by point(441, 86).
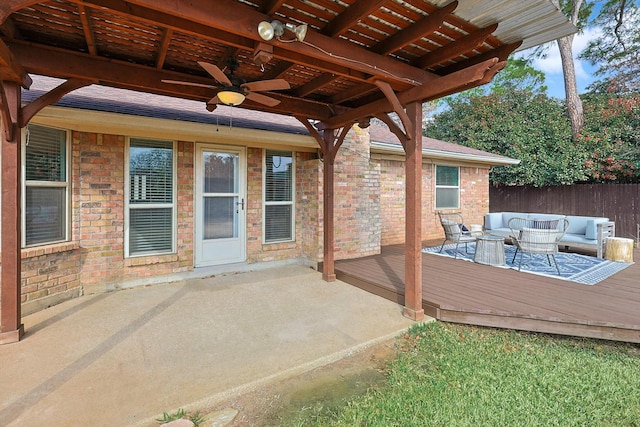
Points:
point(584, 232)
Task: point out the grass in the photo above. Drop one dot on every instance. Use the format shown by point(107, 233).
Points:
point(453, 375)
point(195, 418)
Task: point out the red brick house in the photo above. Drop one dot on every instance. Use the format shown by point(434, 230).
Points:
point(140, 188)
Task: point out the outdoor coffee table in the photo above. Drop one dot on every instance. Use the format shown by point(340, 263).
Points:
point(489, 250)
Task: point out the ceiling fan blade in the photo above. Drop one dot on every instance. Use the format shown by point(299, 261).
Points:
point(179, 82)
point(262, 85)
point(262, 99)
point(215, 72)
point(213, 100)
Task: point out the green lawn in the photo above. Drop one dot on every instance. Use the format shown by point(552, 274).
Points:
point(452, 375)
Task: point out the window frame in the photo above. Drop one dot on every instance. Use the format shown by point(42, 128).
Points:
point(128, 205)
point(66, 184)
point(446, 187)
point(266, 203)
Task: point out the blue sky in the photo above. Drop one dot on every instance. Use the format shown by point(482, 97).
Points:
point(552, 66)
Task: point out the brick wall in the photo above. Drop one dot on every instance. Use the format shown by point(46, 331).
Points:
point(357, 198)
point(474, 200)
point(50, 274)
point(309, 212)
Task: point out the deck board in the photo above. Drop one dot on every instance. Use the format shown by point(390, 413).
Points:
point(466, 292)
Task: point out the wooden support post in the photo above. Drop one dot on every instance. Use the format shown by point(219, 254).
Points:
point(413, 217)
point(11, 327)
point(329, 242)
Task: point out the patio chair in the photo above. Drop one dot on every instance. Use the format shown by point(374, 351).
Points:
point(537, 237)
point(452, 223)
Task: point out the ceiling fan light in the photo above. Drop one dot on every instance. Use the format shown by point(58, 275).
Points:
point(231, 97)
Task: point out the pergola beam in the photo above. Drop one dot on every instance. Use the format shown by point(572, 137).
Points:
point(450, 83)
point(124, 75)
point(11, 69)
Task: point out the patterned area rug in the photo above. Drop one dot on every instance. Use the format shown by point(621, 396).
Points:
point(574, 267)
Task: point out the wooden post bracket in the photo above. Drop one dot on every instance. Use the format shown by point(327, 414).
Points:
point(329, 151)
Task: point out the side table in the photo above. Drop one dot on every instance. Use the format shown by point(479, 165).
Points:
point(618, 249)
point(489, 250)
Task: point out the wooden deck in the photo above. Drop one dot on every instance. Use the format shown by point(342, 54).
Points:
point(465, 292)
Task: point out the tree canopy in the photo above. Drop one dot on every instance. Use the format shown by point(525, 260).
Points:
point(616, 52)
point(515, 118)
point(518, 124)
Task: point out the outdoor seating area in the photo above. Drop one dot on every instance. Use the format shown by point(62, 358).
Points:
point(580, 232)
point(532, 245)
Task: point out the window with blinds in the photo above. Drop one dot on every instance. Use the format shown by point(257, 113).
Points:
point(278, 196)
point(46, 192)
point(447, 187)
point(151, 207)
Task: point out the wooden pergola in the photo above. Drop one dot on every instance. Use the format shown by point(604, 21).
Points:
point(359, 59)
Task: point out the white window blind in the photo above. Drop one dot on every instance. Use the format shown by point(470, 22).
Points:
point(151, 197)
point(278, 196)
point(447, 187)
point(46, 186)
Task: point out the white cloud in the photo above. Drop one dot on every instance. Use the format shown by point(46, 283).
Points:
point(552, 64)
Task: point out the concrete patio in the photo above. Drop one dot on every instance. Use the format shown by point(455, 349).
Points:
point(125, 357)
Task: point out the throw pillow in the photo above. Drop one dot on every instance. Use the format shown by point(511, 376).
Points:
point(545, 224)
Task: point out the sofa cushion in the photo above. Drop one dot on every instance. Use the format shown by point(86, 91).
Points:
point(493, 220)
point(577, 224)
point(545, 224)
point(506, 216)
point(575, 238)
point(586, 225)
point(592, 227)
point(543, 216)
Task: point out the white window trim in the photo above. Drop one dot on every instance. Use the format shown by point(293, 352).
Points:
point(436, 187)
point(127, 197)
point(66, 184)
point(292, 203)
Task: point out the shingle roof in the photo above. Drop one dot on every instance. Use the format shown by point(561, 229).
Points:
point(382, 134)
point(107, 99)
point(112, 100)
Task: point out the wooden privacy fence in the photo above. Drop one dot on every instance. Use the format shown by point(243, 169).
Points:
point(618, 202)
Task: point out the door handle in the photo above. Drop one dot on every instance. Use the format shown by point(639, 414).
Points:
point(241, 204)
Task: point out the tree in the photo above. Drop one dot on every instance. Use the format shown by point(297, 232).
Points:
point(576, 13)
point(617, 50)
point(519, 75)
point(519, 124)
point(611, 138)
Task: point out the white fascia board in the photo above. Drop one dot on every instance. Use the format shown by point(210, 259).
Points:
point(489, 160)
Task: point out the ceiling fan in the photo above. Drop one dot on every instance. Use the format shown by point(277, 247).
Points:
point(233, 89)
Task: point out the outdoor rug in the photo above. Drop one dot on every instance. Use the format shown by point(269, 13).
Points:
point(574, 267)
